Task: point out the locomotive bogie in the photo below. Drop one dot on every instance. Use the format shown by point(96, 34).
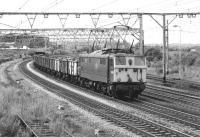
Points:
point(129, 90)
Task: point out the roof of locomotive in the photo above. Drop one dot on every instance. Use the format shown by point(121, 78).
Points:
point(97, 53)
point(108, 53)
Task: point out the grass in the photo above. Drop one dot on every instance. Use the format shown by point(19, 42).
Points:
point(23, 100)
point(35, 105)
point(8, 109)
point(30, 106)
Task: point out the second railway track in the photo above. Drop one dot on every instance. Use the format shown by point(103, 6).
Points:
point(180, 83)
point(171, 95)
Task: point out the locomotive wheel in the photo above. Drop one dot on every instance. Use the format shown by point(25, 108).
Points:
point(133, 95)
point(136, 96)
point(82, 83)
point(119, 94)
point(115, 94)
point(77, 81)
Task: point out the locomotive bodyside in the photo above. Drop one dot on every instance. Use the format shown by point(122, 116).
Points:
point(94, 68)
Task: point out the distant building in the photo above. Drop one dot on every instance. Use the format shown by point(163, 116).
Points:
point(25, 47)
point(192, 50)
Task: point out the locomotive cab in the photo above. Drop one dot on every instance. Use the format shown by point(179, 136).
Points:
point(129, 69)
point(128, 75)
point(117, 74)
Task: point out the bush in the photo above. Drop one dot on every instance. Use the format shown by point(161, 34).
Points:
point(191, 59)
point(159, 70)
point(173, 71)
point(153, 54)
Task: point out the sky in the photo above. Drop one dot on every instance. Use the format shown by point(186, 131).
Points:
point(189, 27)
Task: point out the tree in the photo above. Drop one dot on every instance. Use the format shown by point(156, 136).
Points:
point(153, 54)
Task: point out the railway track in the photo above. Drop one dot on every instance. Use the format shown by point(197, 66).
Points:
point(137, 125)
point(171, 95)
point(170, 82)
point(189, 98)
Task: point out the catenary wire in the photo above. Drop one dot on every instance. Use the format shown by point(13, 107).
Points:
point(24, 4)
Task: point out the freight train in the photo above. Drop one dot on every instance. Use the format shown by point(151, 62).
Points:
point(115, 73)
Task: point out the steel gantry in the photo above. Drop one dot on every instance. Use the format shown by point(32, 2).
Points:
point(92, 36)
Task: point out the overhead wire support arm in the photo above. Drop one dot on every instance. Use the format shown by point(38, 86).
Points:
point(156, 21)
point(95, 19)
point(126, 18)
point(165, 24)
point(171, 20)
point(63, 19)
point(31, 20)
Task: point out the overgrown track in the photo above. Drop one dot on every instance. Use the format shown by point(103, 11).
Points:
point(132, 123)
point(36, 128)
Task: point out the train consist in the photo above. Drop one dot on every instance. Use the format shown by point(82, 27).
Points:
point(112, 72)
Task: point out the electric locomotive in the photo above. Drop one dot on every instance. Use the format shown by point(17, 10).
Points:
point(114, 72)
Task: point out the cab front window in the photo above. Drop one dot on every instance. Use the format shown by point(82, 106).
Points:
point(120, 60)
